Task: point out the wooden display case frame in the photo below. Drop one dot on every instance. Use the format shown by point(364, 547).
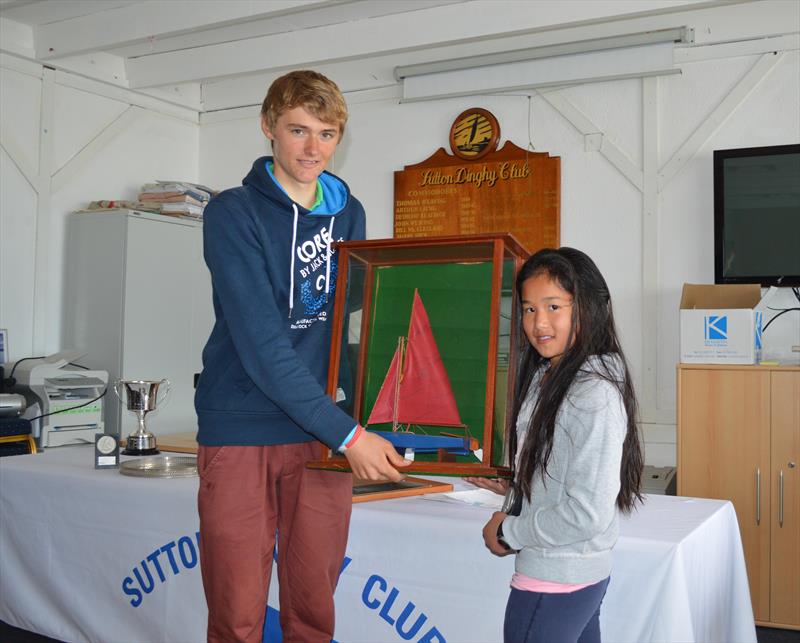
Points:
point(505, 254)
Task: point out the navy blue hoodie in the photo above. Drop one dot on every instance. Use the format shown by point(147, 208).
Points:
point(265, 364)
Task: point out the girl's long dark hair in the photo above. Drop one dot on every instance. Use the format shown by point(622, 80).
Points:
point(595, 335)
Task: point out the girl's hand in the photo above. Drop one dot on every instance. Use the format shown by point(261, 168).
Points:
point(498, 485)
point(490, 535)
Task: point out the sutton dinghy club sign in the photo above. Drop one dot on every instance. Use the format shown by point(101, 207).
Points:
point(479, 189)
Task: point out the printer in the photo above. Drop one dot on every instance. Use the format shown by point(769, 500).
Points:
point(65, 405)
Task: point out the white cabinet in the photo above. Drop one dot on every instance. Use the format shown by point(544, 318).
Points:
point(137, 300)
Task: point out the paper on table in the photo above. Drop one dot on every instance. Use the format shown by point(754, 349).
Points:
point(474, 497)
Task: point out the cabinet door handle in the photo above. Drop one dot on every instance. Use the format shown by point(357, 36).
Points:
point(758, 496)
point(780, 508)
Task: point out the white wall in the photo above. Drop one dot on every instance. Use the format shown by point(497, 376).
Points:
point(66, 141)
point(601, 210)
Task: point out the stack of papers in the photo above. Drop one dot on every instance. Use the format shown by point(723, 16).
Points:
point(177, 198)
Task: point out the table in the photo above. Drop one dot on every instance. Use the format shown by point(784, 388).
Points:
point(91, 555)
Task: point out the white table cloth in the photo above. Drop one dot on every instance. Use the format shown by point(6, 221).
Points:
point(88, 555)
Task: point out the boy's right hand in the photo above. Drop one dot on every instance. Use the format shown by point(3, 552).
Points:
point(373, 458)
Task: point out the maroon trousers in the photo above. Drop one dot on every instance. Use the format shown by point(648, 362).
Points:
point(247, 494)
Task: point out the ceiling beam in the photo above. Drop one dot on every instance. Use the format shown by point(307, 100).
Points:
point(330, 13)
point(472, 21)
point(16, 38)
point(39, 12)
point(154, 19)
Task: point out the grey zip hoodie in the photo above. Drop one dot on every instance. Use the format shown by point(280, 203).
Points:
point(566, 532)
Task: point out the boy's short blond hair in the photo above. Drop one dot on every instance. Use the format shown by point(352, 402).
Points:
point(309, 89)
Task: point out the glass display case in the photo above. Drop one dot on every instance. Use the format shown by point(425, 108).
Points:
point(423, 348)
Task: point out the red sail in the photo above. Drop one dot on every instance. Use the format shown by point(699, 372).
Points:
point(383, 411)
point(425, 396)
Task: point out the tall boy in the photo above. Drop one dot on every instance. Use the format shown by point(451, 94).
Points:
point(260, 400)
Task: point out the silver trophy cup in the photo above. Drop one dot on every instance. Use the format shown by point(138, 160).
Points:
point(141, 397)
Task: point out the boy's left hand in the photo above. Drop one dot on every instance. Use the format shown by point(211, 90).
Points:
point(490, 535)
point(374, 458)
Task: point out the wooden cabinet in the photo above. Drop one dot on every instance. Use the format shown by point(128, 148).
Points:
point(739, 440)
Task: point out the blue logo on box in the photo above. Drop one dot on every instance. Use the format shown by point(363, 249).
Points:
point(759, 330)
point(716, 327)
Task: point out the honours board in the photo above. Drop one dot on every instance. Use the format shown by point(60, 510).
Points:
point(512, 190)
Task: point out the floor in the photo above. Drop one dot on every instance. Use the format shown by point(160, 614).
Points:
point(773, 635)
point(10, 634)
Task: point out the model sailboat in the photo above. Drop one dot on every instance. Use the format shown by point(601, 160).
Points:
point(417, 391)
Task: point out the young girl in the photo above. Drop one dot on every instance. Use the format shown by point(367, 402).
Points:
point(577, 459)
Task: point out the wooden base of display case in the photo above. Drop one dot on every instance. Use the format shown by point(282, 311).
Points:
point(458, 469)
point(363, 490)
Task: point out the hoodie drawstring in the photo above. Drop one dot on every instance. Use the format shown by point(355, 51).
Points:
point(291, 266)
point(328, 266)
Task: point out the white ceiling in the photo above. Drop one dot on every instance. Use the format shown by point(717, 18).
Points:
point(156, 44)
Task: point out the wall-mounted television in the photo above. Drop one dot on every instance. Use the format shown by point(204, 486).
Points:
point(757, 215)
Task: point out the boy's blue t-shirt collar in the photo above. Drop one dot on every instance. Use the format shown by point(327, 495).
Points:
point(331, 194)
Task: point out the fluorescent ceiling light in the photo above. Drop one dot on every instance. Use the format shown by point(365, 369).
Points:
point(677, 34)
point(628, 56)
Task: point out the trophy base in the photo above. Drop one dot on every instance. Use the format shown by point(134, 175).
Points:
point(130, 451)
point(141, 444)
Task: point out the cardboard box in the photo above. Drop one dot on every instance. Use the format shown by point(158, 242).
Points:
point(719, 324)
